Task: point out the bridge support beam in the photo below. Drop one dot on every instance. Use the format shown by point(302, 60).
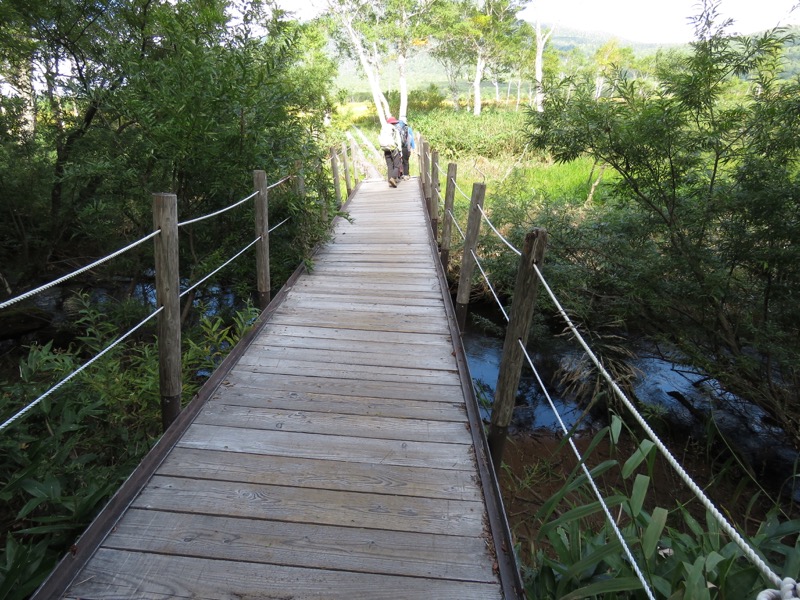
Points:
point(526, 291)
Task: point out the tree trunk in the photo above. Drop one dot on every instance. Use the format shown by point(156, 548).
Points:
point(476, 84)
point(541, 40)
point(403, 84)
point(368, 68)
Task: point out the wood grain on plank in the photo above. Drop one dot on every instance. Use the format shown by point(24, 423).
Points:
point(340, 404)
point(115, 574)
point(322, 474)
point(303, 545)
point(434, 455)
point(419, 430)
point(303, 505)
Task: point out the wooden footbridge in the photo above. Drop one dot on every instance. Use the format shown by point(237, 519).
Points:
point(337, 453)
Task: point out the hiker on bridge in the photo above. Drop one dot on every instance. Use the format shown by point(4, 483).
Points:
point(390, 142)
point(406, 143)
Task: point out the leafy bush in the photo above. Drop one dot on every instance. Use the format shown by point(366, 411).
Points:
point(66, 458)
point(457, 135)
point(578, 557)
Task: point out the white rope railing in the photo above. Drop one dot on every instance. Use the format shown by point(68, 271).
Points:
point(219, 268)
point(30, 293)
point(230, 260)
point(108, 348)
point(500, 235)
point(218, 212)
point(232, 206)
point(489, 283)
point(271, 229)
point(455, 222)
point(785, 584)
point(460, 190)
point(723, 522)
point(589, 477)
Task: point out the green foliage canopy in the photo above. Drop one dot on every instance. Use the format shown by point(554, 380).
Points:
point(707, 166)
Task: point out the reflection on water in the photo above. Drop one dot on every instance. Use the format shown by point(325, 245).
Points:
point(532, 410)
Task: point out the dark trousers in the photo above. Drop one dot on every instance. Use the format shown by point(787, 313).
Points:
point(406, 154)
point(392, 164)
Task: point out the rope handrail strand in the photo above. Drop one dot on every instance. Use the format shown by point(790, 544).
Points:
point(500, 235)
point(455, 222)
point(271, 229)
point(30, 293)
point(219, 268)
point(232, 206)
point(726, 526)
point(218, 212)
point(230, 260)
point(489, 283)
point(589, 477)
point(107, 349)
point(459, 189)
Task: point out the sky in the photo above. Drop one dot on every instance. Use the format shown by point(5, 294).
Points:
point(655, 21)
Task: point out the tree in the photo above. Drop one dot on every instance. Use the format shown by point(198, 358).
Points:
point(480, 28)
point(140, 97)
point(708, 169)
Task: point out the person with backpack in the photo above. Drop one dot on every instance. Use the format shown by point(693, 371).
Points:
point(390, 143)
point(406, 144)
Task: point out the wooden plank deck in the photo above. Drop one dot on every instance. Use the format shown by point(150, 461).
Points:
point(336, 458)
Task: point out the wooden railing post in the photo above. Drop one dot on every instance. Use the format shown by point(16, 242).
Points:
point(426, 177)
point(447, 221)
point(434, 202)
point(356, 162)
point(421, 155)
point(346, 162)
point(335, 172)
point(262, 231)
point(165, 218)
point(468, 261)
point(526, 290)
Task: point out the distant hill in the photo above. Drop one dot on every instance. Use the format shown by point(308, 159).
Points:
point(566, 39)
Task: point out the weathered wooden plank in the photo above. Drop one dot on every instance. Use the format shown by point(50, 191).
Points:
point(347, 386)
point(350, 355)
point(115, 574)
point(343, 333)
point(387, 428)
point(433, 455)
point(255, 364)
point(364, 321)
point(323, 474)
point(384, 306)
point(337, 404)
point(343, 296)
point(338, 268)
point(429, 352)
point(327, 507)
point(375, 290)
point(303, 545)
